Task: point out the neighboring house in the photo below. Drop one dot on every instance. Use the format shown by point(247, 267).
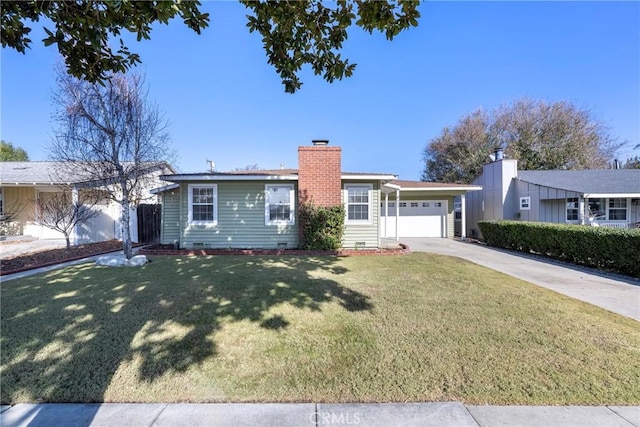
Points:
point(22, 184)
point(259, 209)
point(606, 197)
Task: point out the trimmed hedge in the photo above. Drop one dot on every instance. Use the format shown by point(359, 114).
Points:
point(612, 249)
point(321, 228)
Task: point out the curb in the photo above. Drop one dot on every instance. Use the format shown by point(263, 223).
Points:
point(404, 250)
point(49, 264)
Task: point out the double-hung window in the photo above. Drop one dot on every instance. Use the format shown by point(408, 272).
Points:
point(572, 209)
point(279, 204)
point(618, 209)
point(359, 204)
point(203, 204)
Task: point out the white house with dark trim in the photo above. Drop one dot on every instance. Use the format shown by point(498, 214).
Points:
point(604, 197)
point(258, 209)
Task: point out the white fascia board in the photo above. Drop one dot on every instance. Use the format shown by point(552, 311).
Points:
point(392, 186)
point(36, 184)
point(173, 178)
point(434, 189)
point(163, 189)
point(368, 177)
point(611, 195)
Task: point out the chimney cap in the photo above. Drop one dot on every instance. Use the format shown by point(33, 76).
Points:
point(320, 142)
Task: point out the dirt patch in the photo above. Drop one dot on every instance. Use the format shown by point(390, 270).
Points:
point(54, 256)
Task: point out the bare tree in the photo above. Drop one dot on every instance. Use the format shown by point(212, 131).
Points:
point(63, 210)
point(248, 168)
point(9, 212)
point(541, 135)
point(110, 135)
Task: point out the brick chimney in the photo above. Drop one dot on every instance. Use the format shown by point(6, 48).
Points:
point(319, 171)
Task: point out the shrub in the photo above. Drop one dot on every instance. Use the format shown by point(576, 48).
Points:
point(321, 227)
point(611, 249)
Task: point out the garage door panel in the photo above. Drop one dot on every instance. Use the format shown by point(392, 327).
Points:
point(425, 218)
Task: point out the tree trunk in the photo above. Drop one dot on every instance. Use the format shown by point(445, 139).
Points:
point(66, 237)
point(126, 230)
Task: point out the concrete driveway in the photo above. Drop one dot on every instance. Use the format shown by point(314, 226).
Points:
point(617, 294)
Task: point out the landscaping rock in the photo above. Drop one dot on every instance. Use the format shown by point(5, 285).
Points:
point(119, 260)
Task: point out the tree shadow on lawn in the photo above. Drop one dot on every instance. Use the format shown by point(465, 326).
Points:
point(65, 334)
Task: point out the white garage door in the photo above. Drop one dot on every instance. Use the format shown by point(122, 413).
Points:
point(422, 218)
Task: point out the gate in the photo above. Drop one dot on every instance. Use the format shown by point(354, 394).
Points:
point(149, 223)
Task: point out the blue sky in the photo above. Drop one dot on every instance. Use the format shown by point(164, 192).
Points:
point(225, 103)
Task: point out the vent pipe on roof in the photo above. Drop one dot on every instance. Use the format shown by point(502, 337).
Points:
point(320, 142)
point(498, 153)
point(616, 164)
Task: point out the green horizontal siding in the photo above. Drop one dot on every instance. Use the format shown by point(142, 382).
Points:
point(170, 216)
point(241, 220)
point(450, 218)
point(367, 233)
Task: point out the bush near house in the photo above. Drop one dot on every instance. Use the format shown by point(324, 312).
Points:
point(611, 249)
point(321, 227)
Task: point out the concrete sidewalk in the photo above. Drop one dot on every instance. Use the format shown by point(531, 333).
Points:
point(614, 293)
point(441, 414)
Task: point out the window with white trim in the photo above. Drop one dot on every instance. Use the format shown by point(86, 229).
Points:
point(279, 204)
point(572, 209)
point(414, 204)
point(525, 203)
point(203, 204)
point(617, 209)
point(359, 203)
point(403, 204)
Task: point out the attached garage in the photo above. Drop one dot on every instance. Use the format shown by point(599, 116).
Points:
point(416, 218)
point(419, 209)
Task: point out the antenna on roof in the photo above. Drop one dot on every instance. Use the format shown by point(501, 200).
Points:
point(281, 165)
point(212, 165)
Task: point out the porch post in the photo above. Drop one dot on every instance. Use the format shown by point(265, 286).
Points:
point(581, 208)
point(463, 221)
point(397, 213)
point(386, 215)
point(584, 208)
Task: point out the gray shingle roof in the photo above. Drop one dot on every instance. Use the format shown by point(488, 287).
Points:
point(610, 181)
point(33, 172)
point(48, 172)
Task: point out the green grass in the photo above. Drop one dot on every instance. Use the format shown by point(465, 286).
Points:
point(367, 329)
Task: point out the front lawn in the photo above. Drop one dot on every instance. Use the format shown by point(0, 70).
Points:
point(323, 329)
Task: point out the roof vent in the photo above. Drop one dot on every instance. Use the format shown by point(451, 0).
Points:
point(320, 142)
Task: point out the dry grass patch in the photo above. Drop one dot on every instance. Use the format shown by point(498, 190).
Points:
point(367, 329)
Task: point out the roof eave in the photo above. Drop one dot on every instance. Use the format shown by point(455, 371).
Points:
point(207, 177)
point(611, 195)
point(381, 177)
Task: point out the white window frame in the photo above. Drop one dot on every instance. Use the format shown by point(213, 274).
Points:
point(612, 200)
point(369, 188)
point(292, 205)
point(575, 208)
point(191, 187)
point(525, 203)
